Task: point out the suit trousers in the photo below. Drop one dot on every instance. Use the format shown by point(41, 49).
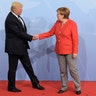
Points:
point(64, 61)
point(13, 63)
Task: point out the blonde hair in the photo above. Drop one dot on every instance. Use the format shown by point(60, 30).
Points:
point(64, 11)
point(16, 5)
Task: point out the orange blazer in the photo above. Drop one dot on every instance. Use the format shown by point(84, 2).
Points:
point(66, 37)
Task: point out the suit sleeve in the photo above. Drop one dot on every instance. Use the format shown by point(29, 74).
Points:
point(15, 29)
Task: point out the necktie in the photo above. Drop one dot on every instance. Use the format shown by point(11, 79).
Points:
point(20, 19)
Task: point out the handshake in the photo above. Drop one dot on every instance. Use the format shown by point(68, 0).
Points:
point(35, 37)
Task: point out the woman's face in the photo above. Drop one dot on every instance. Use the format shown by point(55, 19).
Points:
point(59, 16)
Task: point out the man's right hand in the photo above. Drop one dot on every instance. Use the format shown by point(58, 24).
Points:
point(35, 37)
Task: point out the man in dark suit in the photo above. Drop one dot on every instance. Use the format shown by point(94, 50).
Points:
point(16, 45)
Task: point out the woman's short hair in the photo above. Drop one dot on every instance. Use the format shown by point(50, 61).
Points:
point(64, 11)
point(16, 5)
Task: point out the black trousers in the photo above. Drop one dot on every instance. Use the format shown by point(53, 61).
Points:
point(13, 63)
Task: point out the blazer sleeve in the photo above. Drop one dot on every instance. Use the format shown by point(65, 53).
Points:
point(49, 33)
point(15, 29)
point(75, 37)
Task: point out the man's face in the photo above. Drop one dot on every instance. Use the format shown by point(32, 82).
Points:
point(18, 10)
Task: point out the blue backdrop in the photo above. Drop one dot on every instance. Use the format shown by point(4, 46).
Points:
point(39, 16)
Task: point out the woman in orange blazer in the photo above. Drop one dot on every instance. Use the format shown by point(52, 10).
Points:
point(66, 48)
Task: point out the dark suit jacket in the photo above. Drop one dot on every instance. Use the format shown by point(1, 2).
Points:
point(16, 41)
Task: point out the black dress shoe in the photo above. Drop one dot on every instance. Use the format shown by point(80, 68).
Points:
point(38, 86)
point(78, 92)
point(60, 91)
point(14, 89)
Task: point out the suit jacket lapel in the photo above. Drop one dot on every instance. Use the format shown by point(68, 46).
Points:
point(22, 22)
point(19, 22)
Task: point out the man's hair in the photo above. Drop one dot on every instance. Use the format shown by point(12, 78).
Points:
point(64, 11)
point(15, 5)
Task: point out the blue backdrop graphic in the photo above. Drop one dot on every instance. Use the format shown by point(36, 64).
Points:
point(39, 16)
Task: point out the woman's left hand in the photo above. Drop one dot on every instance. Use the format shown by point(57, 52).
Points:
point(74, 55)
